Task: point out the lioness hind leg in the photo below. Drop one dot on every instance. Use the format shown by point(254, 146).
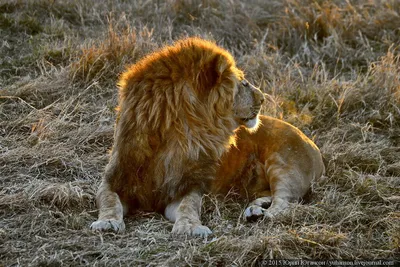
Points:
point(186, 216)
point(111, 211)
point(287, 184)
point(277, 200)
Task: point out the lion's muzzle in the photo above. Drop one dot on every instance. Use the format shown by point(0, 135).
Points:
point(248, 102)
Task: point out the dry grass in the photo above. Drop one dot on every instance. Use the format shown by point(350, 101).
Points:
point(332, 68)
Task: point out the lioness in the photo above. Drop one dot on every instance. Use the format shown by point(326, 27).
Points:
point(273, 165)
point(178, 109)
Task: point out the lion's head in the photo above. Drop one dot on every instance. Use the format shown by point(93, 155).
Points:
point(191, 95)
point(247, 104)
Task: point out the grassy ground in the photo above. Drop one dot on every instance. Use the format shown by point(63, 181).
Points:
point(332, 68)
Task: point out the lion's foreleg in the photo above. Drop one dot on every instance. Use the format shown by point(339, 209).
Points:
point(111, 210)
point(186, 215)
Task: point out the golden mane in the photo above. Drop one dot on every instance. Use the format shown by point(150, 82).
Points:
point(178, 106)
point(170, 95)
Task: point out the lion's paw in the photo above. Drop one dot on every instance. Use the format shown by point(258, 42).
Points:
point(191, 229)
point(201, 230)
point(105, 225)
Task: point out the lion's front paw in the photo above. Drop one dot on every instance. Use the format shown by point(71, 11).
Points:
point(104, 225)
point(201, 230)
point(192, 229)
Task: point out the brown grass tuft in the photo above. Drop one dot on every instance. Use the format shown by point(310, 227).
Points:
point(103, 61)
point(76, 195)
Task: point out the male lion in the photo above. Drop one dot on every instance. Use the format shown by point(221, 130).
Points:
point(274, 164)
point(178, 110)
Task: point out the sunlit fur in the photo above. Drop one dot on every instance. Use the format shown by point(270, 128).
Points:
point(177, 114)
point(273, 165)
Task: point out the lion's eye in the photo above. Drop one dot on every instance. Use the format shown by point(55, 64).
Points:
point(245, 83)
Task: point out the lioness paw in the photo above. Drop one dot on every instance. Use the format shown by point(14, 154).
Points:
point(105, 225)
point(258, 208)
point(191, 229)
point(264, 202)
point(254, 212)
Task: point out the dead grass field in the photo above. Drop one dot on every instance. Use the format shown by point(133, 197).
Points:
point(332, 68)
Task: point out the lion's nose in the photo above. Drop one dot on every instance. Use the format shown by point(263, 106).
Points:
point(260, 97)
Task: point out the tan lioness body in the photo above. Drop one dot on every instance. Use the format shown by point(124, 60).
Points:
point(273, 166)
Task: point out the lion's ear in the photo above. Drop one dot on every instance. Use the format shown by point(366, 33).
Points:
point(210, 74)
point(222, 64)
